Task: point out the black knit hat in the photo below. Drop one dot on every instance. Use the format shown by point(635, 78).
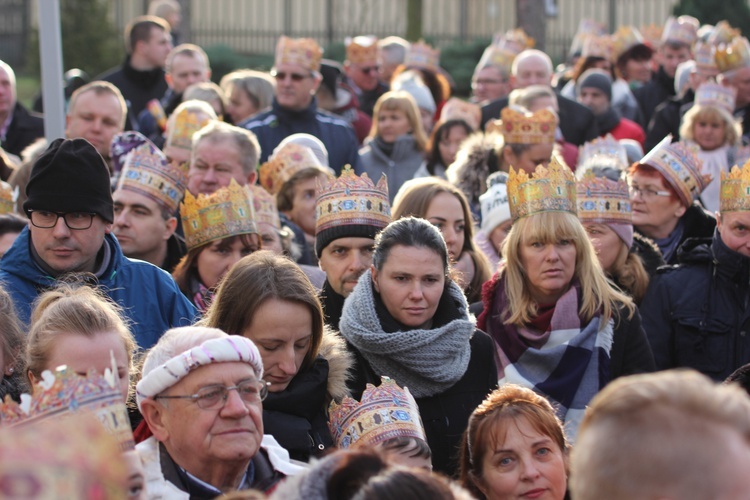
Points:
point(596, 78)
point(346, 230)
point(70, 176)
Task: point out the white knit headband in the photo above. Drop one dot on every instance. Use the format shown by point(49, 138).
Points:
point(219, 350)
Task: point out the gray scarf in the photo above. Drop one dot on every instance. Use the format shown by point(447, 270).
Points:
point(428, 362)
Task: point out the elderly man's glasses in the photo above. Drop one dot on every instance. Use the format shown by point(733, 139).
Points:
point(74, 220)
point(646, 193)
point(214, 397)
point(281, 76)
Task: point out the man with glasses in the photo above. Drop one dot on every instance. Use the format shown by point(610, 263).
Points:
point(295, 109)
point(362, 70)
point(71, 213)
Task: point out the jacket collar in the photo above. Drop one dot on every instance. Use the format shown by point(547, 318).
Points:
point(731, 265)
point(286, 114)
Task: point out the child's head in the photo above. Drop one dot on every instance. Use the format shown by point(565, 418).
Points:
point(406, 451)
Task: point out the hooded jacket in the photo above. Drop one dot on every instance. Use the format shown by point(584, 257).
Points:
point(399, 167)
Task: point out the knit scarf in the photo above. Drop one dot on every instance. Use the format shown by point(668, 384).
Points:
point(427, 361)
point(568, 363)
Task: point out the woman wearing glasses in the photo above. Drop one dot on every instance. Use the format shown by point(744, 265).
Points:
point(664, 187)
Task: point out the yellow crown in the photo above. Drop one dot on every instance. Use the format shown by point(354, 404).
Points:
point(603, 200)
point(515, 40)
point(289, 160)
point(735, 189)
point(723, 33)
point(734, 55)
point(652, 34)
point(603, 146)
point(265, 206)
point(624, 39)
point(527, 128)
point(8, 197)
point(683, 29)
point(362, 50)
point(186, 123)
point(456, 109)
point(551, 189)
point(598, 46)
point(385, 412)
point(304, 52)
point(227, 212)
point(421, 55)
point(716, 95)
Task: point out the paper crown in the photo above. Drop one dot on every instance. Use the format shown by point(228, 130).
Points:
point(723, 33)
point(515, 40)
point(683, 29)
point(265, 206)
point(551, 189)
point(498, 57)
point(733, 55)
point(652, 34)
point(304, 52)
point(598, 46)
point(603, 200)
point(286, 162)
point(586, 28)
point(8, 197)
point(351, 200)
point(421, 55)
point(526, 128)
point(680, 166)
point(186, 123)
point(735, 189)
point(146, 171)
point(624, 39)
point(712, 94)
point(227, 212)
point(65, 393)
point(456, 109)
point(705, 58)
point(603, 146)
point(385, 412)
point(362, 50)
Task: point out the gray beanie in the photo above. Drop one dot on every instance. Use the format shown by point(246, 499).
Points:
point(597, 78)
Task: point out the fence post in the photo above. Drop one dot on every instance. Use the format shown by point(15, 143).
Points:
point(329, 21)
point(413, 20)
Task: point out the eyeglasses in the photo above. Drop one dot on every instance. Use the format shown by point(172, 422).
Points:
point(74, 220)
point(214, 397)
point(281, 75)
point(369, 69)
point(647, 194)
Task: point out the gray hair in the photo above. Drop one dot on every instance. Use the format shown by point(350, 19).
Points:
point(393, 49)
point(245, 141)
point(531, 54)
point(259, 86)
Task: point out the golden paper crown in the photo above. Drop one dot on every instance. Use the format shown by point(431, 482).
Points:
point(304, 52)
point(515, 40)
point(385, 412)
point(602, 200)
point(421, 55)
point(586, 28)
point(227, 212)
point(723, 33)
point(456, 109)
point(551, 189)
point(652, 34)
point(735, 189)
point(351, 200)
point(265, 206)
point(624, 39)
point(680, 166)
point(734, 55)
point(362, 50)
point(603, 147)
point(8, 197)
point(186, 123)
point(705, 58)
point(527, 128)
point(712, 94)
point(495, 56)
point(289, 160)
point(598, 46)
point(683, 29)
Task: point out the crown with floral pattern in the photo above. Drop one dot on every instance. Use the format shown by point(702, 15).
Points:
point(422, 55)
point(520, 127)
point(186, 123)
point(286, 162)
point(705, 58)
point(680, 166)
point(624, 39)
point(385, 412)
point(603, 200)
point(304, 52)
point(712, 94)
point(733, 55)
point(735, 189)
point(606, 146)
point(210, 217)
point(683, 29)
point(551, 189)
point(362, 50)
point(8, 197)
point(457, 109)
point(265, 206)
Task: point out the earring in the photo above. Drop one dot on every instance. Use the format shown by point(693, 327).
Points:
point(11, 370)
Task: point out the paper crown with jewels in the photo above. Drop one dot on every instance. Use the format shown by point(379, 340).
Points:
point(286, 162)
point(227, 212)
point(586, 28)
point(519, 127)
point(705, 58)
point(712, 94)
point(603, 147)
point(551, 189)
point(265, 206)
point(624, 39)
point(146, 171)
point(733, 55)
point(683, 29)
point(422, 55)
point(456, 109)
point(304, 52)
point(8, 197)
point(735, 189)
point(652, 34)
point(603, 200)
point(723, 33)
point(680, 166)
point(184, 124)
point(598, 46)
point(385, 412)
point(362, 50)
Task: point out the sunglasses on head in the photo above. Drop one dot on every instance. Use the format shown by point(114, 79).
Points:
point(281, 75)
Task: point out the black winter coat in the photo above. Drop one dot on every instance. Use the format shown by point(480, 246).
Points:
point(698, 223)
point(655, 92)
point(667, 119)
point(25, 128)
point(696, 314)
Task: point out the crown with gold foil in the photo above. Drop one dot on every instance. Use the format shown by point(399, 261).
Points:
point(712, 94)
point(186, 123)
point(603, 147)
point(683, 29)
point(705, 58)
point(265, 206)
point(551, 189)
point(735, 189)
point(723, 33)
point(497, 56)
point(598, 46)
point(603, 200)
point(515, 40)
point(519, 127)
point(421, 55)
point(362, 50)
point(289, 160)
point(680, 166)
point(8, 197)
point(226, 212)
point(146, 171)
point(652, 34)
point(586, 28)
point(624, 39)
point(385, 412)
point(304, 52)
point(456, 109)
point(734, 55)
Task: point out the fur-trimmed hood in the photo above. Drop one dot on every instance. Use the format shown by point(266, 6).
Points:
point(475, 161)
point(340, 363)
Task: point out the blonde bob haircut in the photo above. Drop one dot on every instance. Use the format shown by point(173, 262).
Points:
point(714, 114)
point(598, 296)
point(400, 100)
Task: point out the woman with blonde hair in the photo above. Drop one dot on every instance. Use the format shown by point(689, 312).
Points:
point(12, 345)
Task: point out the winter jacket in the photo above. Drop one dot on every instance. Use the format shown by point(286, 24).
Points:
point(24, 128)
point(368, 98)
point(400, 166)
point(655, 92)
point(475, 161)
point(667, 119)
point(273, 126)
point(148, 295)
point(627, 129)
point(696, 313)
point(623, 100)
point(697, 223)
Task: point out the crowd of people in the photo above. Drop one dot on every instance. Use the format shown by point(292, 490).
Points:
point(342, 281)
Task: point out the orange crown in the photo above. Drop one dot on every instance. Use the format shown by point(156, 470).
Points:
point(734, 55)
point(8, 197)
point(289, 160)
point(652, 34)
point(735, 189)
point(186, 123)
point(723, 33)
point(362, 50)
point(303, 52)
point(551, 189)
point(526, 128)
point(456, 109)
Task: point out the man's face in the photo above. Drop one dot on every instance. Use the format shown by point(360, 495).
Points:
point(96, 118)
point(7, 93)
point(295, 86)
point(344, 260)
point(532, 70)
point(488, 84)
point(215, 163)
point(594, 99)
point(139, 226)
point(186, 70)
point(671, 58)
point(734, 228)
point(70, 250)
point(365, 76)
point(157, 48)
point(741, 81)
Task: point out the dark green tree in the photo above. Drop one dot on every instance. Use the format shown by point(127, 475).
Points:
point(736, 12)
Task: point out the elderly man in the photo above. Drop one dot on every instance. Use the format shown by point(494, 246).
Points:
point(18, 126)
point(393, 50)
point(201, 395)
point(361, 67)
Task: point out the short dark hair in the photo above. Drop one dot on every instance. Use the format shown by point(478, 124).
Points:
point(139, 30)
point(12, 223)
point(409, 232)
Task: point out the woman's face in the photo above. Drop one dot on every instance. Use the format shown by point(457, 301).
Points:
point(303, 204)
point(446, 213)
point(449, 144)
point(82, 353)
point(526, 465)
point(270, 238)
point(498, 235)
point(709, 134)
point(536, 154)
point(606, 244)
point(239, 106)
point(410, 284)
point(550, 268)
point(392, 124)
point(655, 213)
point(282, 330)
point(638, 71)
point(218, 257)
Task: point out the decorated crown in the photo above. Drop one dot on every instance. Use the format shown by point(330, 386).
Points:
point(680, 166)
point(362, 50)
point(456, 109)
point(385, 412)
point(735, 189)
point(624, 39)
point(723, 33)
point(652, 34)
point(603, 200)
point(705, 58)
point(683, 29)
point(733, 55)
point(265, 206)
point(146, 171)
point(551, 189)
point(303, 52)
point(603, 146)
point(421, 55)
point(716, 95)
point(598, 46)
point(186, 123)
point(226, 212)
point(8, 197)
point(496, 56)
point(289, 160)
point(586, 28)
point(157, 111)
point(519, 127)
point(352, 200)
point(515, 40)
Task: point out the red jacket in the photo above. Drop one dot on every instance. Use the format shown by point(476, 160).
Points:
point(628, 129)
